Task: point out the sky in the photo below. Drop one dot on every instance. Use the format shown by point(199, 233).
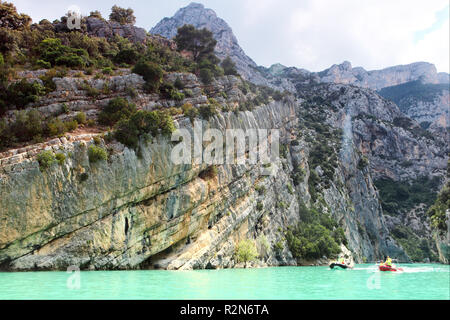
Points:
point(309, 34)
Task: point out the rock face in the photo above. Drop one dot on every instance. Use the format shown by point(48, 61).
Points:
point(108, 29)
point(227, 45)
point(383, 133)
point(98, 27)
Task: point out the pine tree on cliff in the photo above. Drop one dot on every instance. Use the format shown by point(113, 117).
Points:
point(199, 41)
point(122, 16)
point(229, 67)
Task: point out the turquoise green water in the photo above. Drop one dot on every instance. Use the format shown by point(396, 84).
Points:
point(418, 281)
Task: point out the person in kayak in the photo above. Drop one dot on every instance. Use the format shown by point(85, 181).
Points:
point(342, 261)
point(388, 261)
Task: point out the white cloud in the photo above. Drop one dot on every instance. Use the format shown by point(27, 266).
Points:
point(433, 47)
point(373, 34)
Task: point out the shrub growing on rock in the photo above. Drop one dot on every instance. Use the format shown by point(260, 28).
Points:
point(151, 72)
point(127, 55)
point(207, 111)
point(116, 110)
point(178, 84)
point(363, 162)
point(54, 52)
point(21, 93)
point(206, 75)
point(81, 117)
point(107, 71)
point(96, 14)
point(189, 111)
point(437, 211)
point(11, 19)
point(96, 154)
point(71, 125)
point(27, 126)
point(46, 159)
point(208, 173)
point(60, 157)
point(55, 127)
point(168, 91)
point(143, 122)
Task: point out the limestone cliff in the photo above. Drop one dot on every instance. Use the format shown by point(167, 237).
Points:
point(396, 148)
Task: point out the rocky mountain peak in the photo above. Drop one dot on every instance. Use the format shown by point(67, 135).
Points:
point(276, 69)
point(227, 45)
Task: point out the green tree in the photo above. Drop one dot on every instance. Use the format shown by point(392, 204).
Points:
point(229, 67)
point(246, 251)
point(199, 41)
point(28, 125)
point(53, 51)
point(122, 16)
point(21, 93)
point(143, 122)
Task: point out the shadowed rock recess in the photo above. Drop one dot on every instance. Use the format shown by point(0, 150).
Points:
point(345, 151)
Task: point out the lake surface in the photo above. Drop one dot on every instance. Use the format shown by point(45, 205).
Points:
point(418, 281)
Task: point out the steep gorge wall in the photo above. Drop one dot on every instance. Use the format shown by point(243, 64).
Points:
point(131, 207)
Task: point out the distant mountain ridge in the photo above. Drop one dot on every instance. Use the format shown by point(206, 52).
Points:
point(378, 79)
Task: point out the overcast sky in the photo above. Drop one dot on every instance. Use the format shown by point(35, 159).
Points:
point(310, 34)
